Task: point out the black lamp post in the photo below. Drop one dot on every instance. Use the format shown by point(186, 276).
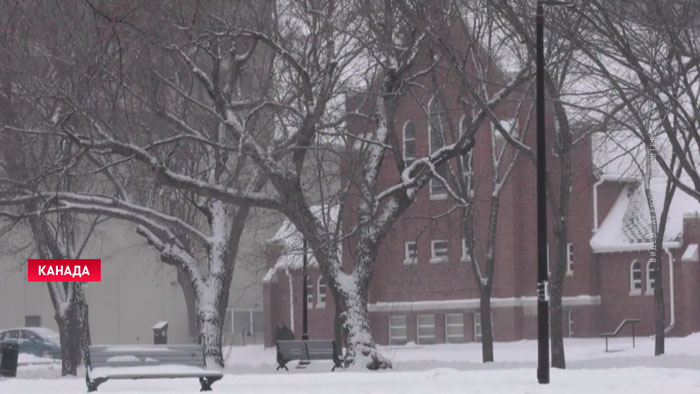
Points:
point(542, 301)
point(542, 296)
point(305, 293)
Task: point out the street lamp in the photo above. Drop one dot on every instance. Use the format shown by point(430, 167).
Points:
point(305, 301)
point(542, 297)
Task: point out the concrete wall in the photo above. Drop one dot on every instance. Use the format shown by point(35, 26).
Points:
point(137, 289)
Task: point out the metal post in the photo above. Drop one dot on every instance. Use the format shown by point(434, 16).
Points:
point(542, 300)
point(305, 306)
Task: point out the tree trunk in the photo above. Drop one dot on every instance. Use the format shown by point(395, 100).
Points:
point(486, 326)
point(361, 349)
point(338, 326)
point(660, 308)
point(188, 292)
point(555, 316)
point(74, 331)
point(210, 324)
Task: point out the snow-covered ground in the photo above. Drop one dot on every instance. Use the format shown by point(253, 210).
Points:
point(428, 369)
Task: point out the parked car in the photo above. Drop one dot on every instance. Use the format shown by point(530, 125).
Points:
point(39, 341)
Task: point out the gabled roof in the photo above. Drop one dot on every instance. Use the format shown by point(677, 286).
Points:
point(292, 242)
point(627, 227)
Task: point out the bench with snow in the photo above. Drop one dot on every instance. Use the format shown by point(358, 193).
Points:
point(106, 362)
point(304, 350)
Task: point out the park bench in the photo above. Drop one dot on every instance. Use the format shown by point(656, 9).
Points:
point(106, 362)
point(307, 350)
point(607, 335)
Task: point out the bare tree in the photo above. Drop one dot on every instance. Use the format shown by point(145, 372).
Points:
point(647, 58)
point(30, 161)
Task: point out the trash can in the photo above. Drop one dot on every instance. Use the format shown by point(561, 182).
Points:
point(8, 359)
point(160, 333)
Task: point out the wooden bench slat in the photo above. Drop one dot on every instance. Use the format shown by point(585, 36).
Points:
point(289, 350)
point(147, 362)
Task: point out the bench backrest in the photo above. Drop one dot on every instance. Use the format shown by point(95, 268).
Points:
point(320, 350)
point(142, 355)
point(306, 350)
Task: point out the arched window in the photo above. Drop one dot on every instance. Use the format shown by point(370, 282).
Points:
point(437, 124)
point(635, 278)
point(651, 277)
point(321, 295)
point(409, 142)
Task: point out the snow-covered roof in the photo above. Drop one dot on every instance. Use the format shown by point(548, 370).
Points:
point(160, 325)
point(691, 254)
point(627, 226)
point(292, 241)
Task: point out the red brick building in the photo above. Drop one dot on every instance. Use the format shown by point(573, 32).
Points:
point(424, 291)
point(609, 277)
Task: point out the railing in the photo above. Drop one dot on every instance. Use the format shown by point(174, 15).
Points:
point(607, 335)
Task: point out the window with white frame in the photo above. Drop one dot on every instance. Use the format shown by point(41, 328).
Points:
point(467, 159)
point(410, 253)
point(570, 258)
point(465, 251)
point(439, 251)
point(398, 333)
point(635, 278)
point(454, 327)
point(571, 323)
point(651, 277)
point(425, 328)
point(437, 124)
point(477, 327)
point(409, 142)
point(497, 138)
point(321, 293)
point(309, 294)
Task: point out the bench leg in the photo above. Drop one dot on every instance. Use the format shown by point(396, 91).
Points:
point(606, 344)
point(92, 384)
point(206, 383)
point(282, 366)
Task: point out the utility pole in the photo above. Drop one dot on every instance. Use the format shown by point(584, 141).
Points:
point(542, 299)
point(542, 274)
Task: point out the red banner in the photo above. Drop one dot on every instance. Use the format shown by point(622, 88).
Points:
point(68, 270)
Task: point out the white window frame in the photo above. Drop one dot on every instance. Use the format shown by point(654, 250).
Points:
point(570, 320)
point(477, 316)
point(443, 195)
point(634, 290)
point(454, 338)
point(407, 159)
point(477, 327)
point(425, 339)
point(650, 281)
point(407, 259)
point(434, 258)
point(321, 296)
point(403, 339)
point(570, 259)
point(466, 258)
point(511, 127)
point(310, 293)
point(467, 162)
